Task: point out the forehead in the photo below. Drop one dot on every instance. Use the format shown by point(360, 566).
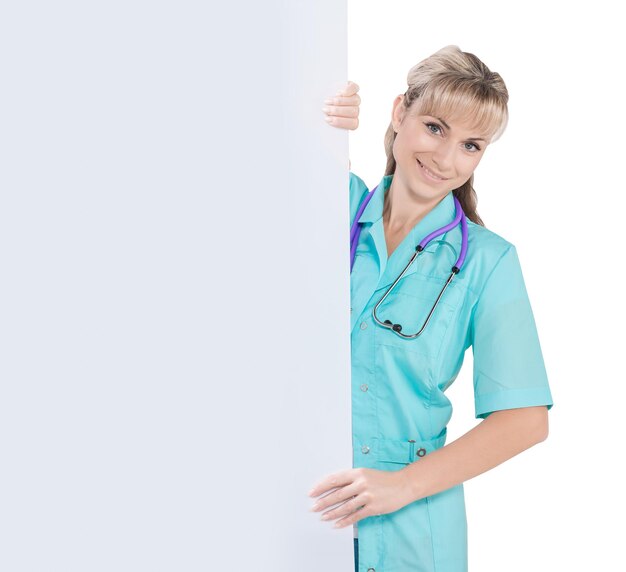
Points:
point(470, 121)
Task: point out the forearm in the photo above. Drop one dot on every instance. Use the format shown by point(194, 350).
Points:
point(500, 436)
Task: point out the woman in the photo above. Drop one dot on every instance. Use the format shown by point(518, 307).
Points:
point(405, 489)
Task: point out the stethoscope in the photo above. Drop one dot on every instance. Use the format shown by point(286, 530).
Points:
point(355, 233)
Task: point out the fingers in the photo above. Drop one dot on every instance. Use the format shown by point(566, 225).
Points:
point(348, 512)
point(343, 117)
point(338, 496)
point(346, 96)
point(352, 515)
point(340, 503)
point(334, 481)
point(368, 492)
point(342, 110)
point(350, 89)
point(343, 122)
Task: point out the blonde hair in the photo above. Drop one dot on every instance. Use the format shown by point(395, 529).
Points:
point(455, 84)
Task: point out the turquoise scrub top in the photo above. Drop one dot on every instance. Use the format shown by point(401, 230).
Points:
point(399, 406)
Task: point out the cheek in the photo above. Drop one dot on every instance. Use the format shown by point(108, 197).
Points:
point(409, 145)
point(466, 166)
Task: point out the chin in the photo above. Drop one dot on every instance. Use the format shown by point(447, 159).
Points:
point(436, 189)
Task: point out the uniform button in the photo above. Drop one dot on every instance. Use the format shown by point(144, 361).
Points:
point(363, 325)
point(364, 387)
point(365, 449)
point(351, 310)
point(371, 570)
point(421, 452)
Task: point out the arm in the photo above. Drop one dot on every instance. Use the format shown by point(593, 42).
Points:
point(502, 435)
point(364, 492)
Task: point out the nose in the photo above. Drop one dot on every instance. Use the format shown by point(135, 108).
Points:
point(443, 156)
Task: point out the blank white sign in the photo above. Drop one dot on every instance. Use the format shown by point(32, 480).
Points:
point(175, 286)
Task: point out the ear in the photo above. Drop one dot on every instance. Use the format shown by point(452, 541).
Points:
point(398, 112)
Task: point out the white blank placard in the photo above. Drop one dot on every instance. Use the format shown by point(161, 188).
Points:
point(175, 286)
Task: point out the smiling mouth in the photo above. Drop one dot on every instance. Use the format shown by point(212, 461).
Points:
point(430, 173)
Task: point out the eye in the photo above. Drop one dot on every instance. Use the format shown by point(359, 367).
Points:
point(476, 147)
point(429, 125)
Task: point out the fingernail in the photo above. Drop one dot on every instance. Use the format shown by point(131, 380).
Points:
point(325, 109)
point(310, 493)
point(325, 517)
point(328, 101)
point(328, 119)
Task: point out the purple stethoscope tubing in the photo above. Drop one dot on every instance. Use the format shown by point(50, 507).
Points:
point(355, 230)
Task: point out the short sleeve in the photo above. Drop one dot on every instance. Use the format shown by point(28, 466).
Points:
point(358, 190)
point(509, 370)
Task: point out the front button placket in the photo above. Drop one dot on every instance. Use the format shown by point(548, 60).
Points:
point(365, 430)
point(365, 425)
point(365, 422)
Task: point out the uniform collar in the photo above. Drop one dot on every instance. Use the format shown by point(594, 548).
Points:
point(439, 216)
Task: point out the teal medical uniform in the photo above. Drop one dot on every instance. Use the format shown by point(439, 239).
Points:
point(400, 410)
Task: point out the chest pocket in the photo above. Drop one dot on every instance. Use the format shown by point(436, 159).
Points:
point(412, 299)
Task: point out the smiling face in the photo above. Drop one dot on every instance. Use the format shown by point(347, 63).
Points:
point(433, 154)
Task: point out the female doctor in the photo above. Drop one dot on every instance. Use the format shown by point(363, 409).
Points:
point(404, 495)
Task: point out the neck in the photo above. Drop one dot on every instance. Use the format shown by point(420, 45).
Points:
point(402, 210)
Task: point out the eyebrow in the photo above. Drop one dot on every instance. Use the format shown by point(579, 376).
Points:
point(469, 138)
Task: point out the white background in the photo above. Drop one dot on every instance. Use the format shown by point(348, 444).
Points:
point(553, 185)
point(174, 300)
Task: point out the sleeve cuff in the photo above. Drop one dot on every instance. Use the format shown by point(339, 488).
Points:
point(511, 399)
